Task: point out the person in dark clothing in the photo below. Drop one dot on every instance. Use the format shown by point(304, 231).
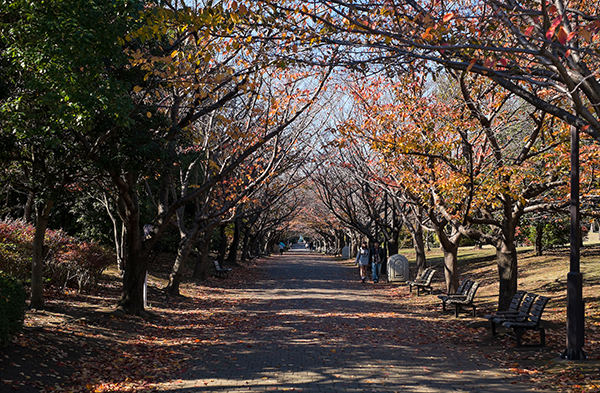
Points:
point(377, 256)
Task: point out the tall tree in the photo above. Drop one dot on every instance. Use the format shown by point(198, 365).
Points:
point(54, 52)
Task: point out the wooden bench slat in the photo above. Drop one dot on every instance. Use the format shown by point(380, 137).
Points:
point(423, 282)
point(467, 301)
point(531, 322)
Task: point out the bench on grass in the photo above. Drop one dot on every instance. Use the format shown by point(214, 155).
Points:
point(531, 322)
point(467, 301)
point(423, 281)
point(220, 271)
point(461, 292)
point(522, 312)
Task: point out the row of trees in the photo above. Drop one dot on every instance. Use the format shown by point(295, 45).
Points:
point(475, 137)
point(195, 116)
point(159, 112)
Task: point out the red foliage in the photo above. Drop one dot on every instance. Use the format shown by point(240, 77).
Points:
point(68, 262)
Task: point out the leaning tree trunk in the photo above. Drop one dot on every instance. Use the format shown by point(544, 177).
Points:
point(449, 245)
point(419, 246)
point(37, 262)
point(235, 243)
point(185, 246)
point(506, 254)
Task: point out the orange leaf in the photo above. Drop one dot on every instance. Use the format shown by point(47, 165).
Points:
point(448, 17)
point(471, 64)
point(529, 30)
point(562, 35)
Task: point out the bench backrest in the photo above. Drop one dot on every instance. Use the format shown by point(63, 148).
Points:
point(429, 276)
point(423, 274)
point(516, 300)
point(538, 308)
point(217, 266)
point(462, 287)
point(467, 287)
point(527, 302)
point(472, 291)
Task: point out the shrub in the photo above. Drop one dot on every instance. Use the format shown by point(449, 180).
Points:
point(80, 264)
point(69, 262)
point(12, 307)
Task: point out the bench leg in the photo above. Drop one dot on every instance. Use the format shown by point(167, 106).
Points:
point(474, 314)
point(494, 332)
point(543, 336)
point(518, 334)
point(444, 305)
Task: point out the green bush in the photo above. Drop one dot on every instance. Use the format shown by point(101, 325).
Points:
point(12, 307)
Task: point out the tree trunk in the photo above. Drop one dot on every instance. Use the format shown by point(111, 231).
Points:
point(29, 206)
point(419, 246)
point(39, 253)
point(539, 232)
point(392, 243)
point(136, 266)
point(222, 244)
point(449, 245)
point(506, 254)
point(245, 248)
point(235, 243)
point(201, 267)
point(451, 268)
point(185, 246)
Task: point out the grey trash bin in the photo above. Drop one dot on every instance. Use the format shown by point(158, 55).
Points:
point(397, 268)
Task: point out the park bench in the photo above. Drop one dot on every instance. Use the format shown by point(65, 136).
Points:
point(532, 322)
point(522, 312)
point(467, 301)
point(220, 271)
point(513, 307)
point(423, 281)
point(461, 292)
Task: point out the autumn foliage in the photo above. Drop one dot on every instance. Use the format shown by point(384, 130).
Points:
point(69, 262)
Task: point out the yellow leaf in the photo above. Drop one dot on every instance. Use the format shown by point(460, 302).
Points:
point(137, 89)
point(148, 114)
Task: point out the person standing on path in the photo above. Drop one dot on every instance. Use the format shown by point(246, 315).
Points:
point(377, 255)
point(362, 259)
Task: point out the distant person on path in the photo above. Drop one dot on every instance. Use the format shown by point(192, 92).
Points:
point(281, 247)
point(377, 255)
point(362, 259)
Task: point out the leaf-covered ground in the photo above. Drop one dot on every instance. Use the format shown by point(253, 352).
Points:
point(79, 345)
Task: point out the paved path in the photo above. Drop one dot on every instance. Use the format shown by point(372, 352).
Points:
point(313, 327)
